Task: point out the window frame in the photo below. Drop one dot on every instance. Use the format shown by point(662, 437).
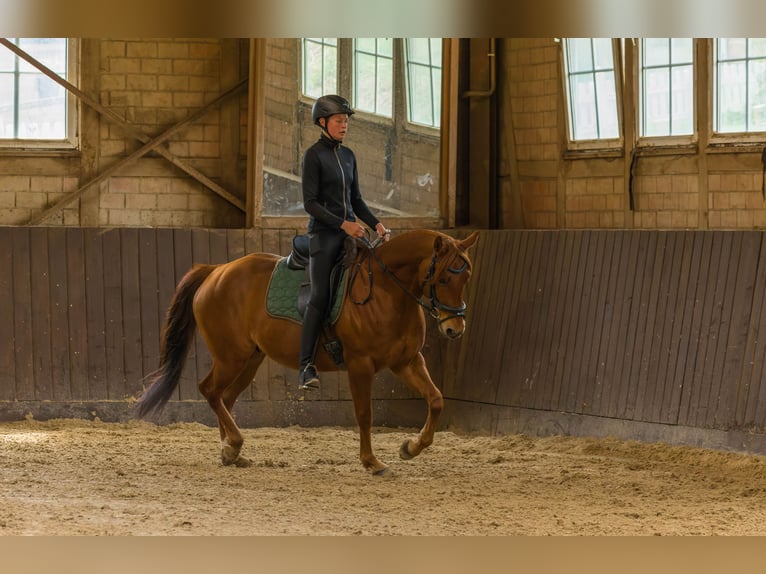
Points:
point(725, 138)
point(664, 141)
point(71, 142)
point(608, 146)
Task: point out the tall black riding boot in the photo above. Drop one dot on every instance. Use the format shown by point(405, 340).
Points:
point(312, 324)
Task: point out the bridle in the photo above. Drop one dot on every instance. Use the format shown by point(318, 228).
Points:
point(435, 271)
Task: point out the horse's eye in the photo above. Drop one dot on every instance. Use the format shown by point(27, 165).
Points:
point(444, 280)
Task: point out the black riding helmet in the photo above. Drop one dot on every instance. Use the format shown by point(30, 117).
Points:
point(330, 105)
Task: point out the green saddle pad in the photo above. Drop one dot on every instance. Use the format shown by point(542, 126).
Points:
point(282, 295)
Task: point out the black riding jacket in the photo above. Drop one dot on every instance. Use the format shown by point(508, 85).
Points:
point(331, 187)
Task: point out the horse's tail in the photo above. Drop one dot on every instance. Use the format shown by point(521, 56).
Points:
point(176, 339)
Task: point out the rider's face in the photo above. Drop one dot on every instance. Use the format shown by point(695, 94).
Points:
point(336, 126)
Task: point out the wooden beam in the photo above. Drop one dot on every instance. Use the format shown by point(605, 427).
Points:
point(143, 150)
point(130, 130)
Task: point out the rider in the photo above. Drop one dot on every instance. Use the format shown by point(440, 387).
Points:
point(332, 198)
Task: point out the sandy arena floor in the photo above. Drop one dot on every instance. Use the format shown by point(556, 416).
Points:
point(74, 477)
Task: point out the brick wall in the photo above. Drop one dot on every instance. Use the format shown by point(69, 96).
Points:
point(152, 84)
point(684, 190)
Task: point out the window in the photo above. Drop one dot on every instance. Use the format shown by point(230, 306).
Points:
point(320, 66)
point(591, 85)
point(424, 78)
point(371, 72)
point(740, 85)
point(374, 75)
point(666, 87)
point(34, 108)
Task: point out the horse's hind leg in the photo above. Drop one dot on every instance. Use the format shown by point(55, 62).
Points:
point(416, 375)
point(221, 387)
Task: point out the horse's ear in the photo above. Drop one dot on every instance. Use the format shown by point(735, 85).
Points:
point(439, 245)
point(469, 241)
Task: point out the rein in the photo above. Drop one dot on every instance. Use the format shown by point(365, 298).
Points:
point(435, 306)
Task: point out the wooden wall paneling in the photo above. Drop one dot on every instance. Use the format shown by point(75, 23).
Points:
point(218, 246)
point(541, 310)
point(183, 262)
point(687, 276)
point(77, 313)
point(663, 309)
point(551, 310)
point(131, 311)
point(490, 299)
point(95, 314)
point(637, 395)
point(751, 403)
point(489, 364)
point(507, 365)
point(24, 339)
point(698, 333)
point(59, 314)
point(614, 374)
point(166, 282)
point(607, 321)
point(149, 305)
point(715, 348)
point(7, 336)
point(279, 379)
point(631, 364)
point(527, 331)
point(41, 313)
point(566, 314)
point(735, 328)
point(591, 389)
point(113, 314)
point(577, 316)
point(711, 320)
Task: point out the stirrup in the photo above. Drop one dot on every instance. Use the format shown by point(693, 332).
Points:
point(308, 380)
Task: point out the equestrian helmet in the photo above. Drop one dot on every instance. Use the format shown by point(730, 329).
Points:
point(326, 106)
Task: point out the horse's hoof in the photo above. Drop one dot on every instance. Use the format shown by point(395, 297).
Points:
point(384, 472)
point(240, 461)
point(404, 451)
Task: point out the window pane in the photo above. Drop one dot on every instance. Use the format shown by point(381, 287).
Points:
point(424, 80)
point(32, 105)
point(732, 89)
point(682, 100)
point(583, 107)
point(732, 48)
point(757, 92)
point(49, 51)
point(6, 107)
point(655, 52)
point(580, 56)
point(681, 51)
point(320, 70)
point(758, 47)
point(607, 105)
point(373, 75)
point(42, 108)
point(7, 60)
point(656, 96)
point(602, 54)
point(666, 87)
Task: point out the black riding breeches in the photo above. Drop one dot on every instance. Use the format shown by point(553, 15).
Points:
point(324, 249)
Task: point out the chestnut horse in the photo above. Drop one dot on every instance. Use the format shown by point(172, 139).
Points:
point(382, 326)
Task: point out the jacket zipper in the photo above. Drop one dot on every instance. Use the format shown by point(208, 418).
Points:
point(343, 179)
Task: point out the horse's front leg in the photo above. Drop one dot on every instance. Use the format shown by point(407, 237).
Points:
point(360, 381)
point(417, 377)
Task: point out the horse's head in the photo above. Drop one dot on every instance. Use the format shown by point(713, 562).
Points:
point(448, 272)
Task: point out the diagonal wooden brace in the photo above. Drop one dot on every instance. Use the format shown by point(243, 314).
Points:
point(151, 144)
